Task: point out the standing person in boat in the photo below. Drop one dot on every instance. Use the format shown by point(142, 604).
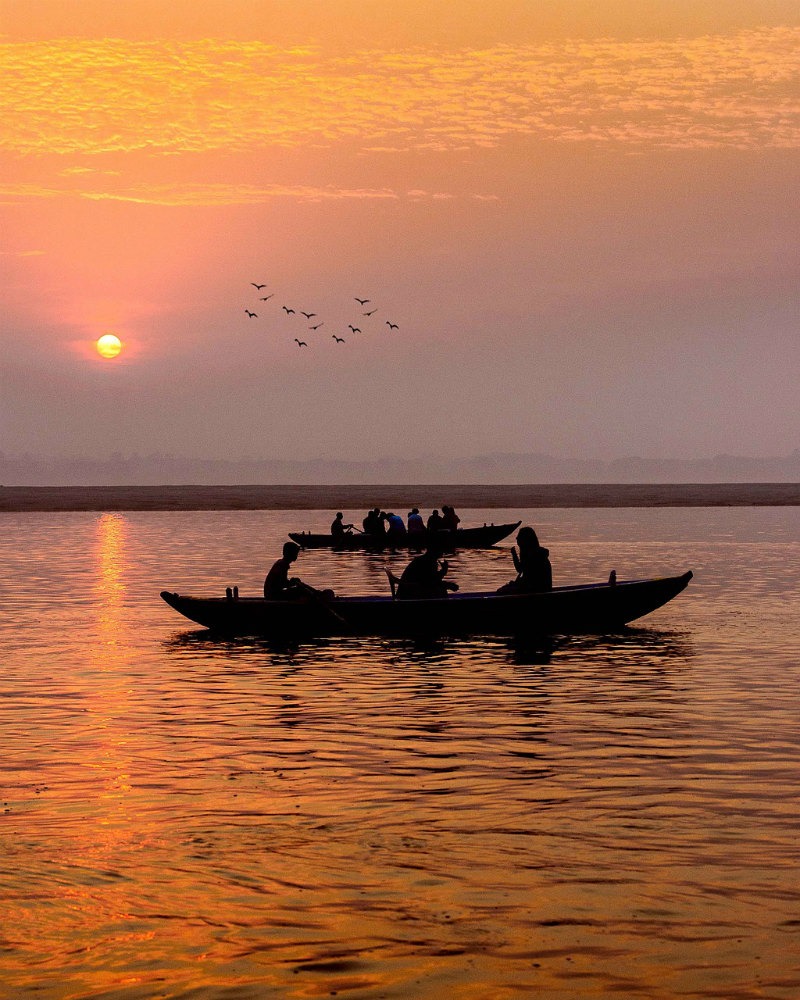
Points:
point(435, 521)
point(278, 586)
point(532, 563)
point(424, 576)
point(339, 529)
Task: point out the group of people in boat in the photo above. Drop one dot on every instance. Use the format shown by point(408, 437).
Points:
point(424, 576)
point(388, 527)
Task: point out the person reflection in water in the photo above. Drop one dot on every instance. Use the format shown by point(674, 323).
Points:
point(277, 585)
point(532, 563)
point(424, 576)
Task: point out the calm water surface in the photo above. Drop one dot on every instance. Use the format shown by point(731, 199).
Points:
point(609, 816)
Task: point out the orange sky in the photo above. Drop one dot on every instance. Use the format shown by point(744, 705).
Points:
point(585, 225)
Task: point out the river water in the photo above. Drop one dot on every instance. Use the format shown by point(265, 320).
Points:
point(373, 818)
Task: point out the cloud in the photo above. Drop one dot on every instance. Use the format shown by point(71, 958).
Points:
point(200, 194)
point(74, 96)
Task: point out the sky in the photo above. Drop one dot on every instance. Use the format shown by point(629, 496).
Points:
point(582, 219)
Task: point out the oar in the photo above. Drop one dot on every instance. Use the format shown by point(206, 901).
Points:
point(318, 599)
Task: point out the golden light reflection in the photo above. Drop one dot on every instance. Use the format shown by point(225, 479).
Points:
point(110, 703)
point(110, 587)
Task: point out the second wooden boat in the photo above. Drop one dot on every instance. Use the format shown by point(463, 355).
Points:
point(481, 537)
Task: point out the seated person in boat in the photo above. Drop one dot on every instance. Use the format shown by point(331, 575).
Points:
point(532, 564)
point(375, 522)
point(424, 576)
point(416, 526)
point(278, 586)
point(435, 521)
point(450, 520)
point(397, 530)
point(339, 529)
point(370, 522)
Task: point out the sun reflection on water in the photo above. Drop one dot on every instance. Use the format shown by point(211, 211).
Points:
point(110, 700)
point(110, 540)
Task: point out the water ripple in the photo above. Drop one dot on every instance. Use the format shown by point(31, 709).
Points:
point(187, 817)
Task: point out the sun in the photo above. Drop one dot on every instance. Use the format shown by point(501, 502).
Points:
point(108, 346)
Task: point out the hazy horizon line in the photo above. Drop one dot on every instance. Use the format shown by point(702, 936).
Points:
point(160, 469)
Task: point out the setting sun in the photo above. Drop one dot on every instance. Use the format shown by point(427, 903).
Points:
point(109, 346)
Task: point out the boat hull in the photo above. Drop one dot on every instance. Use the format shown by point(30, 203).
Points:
point(482, 537)
point(563, 610)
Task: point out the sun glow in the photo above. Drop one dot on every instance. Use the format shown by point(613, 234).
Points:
point(108, 346)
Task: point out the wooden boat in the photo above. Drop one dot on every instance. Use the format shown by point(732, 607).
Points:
point(482, 537)
point(594, 607)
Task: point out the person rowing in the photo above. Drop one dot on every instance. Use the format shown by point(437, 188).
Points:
point(279, 587)
point(424, 576)
point(339, 529)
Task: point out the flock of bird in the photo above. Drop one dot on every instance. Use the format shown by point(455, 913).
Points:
point(309, 316)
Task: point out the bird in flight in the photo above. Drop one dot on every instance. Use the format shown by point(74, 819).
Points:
point(257, 287)
point(251, 314)
point(308, 315)
point(355, 329)
point(317, 326)
point(361, 302)
point(392, 326)
point(300, 343)
point(287, 310)
point(370, 313)
point(265, 297)
point(339, 340)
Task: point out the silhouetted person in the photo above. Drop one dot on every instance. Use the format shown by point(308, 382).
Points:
point(339, 529)
point(278, 586)
point(435, 521)
point(532, 563)
point(450, 520)
point(424, 576)
point(396, 533)
point(416, 526)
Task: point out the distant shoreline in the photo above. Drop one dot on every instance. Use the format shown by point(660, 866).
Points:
point(20, 499)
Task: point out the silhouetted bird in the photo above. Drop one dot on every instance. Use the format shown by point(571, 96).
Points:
point(308, 315)
point(265, 297)
point(257, 287)
point(362, 302)
point(300, 343)
point(317, 326)
point(355, 329)
point(392, 326)
point(370, 313)
point(251, 315)
point(287, 310)
point(339, 340)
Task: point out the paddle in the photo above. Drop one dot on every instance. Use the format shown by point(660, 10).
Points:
point(317, 598)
